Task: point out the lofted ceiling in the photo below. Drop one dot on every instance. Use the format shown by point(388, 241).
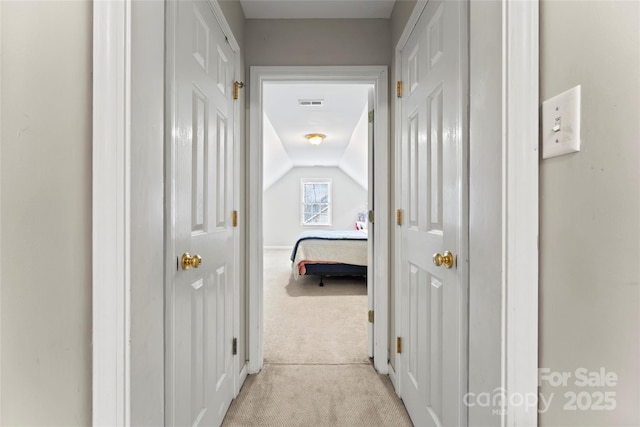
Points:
point(342, 118)
point(317, 9)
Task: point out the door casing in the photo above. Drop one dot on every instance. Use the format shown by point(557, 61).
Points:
point(376, 75)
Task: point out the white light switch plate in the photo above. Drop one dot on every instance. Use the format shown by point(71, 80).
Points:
point(561, 124)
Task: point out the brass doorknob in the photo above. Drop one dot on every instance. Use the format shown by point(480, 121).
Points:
point(189, 261)
point(446, 259)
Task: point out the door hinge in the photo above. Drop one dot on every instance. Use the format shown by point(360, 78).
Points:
point(236, 88)
point(234, 218)
point(234, 346)
point(371, 116)
point(371, 216)
point(399, 89)
point(398, 345)
point(399, 217)
point(371, 317)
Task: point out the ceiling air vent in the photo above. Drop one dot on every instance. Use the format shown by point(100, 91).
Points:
point(311, 102)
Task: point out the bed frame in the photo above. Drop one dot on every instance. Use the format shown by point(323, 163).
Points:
point(333, 262)
point(334, 270)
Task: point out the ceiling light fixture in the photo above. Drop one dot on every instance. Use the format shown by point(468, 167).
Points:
point(315, 138)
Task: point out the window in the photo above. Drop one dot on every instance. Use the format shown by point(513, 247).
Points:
point(316, 202)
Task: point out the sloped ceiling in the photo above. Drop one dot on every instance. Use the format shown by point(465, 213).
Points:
point(292, 9)
point(342, 118)
point(276, 160)
point(355, 159)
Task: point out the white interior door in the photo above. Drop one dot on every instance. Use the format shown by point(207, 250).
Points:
point(433, 362)
point(200, 299)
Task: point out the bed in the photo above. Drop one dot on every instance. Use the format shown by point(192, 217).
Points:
point(330, 253)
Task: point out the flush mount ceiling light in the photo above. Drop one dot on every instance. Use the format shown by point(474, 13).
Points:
point(315, 138)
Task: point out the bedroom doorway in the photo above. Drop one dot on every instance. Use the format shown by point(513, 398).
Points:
point(316, 198)
point(296, 185)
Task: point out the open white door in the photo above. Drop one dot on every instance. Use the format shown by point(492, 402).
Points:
point(433, 331)
point(200, 251)
point(370, 203)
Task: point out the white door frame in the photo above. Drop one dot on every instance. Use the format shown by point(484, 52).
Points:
point(0, 215)
point(376, 75)
point(111, 220)
point(518, 210)
point(112, 224)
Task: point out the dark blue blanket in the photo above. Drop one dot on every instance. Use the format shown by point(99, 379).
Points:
point(328, 235)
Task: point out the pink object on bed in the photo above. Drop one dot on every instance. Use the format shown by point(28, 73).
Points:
point(303, 270)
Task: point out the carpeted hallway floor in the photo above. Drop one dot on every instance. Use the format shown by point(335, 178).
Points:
point(317, 372)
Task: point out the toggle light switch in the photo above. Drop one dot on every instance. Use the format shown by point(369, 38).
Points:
point(561, 124)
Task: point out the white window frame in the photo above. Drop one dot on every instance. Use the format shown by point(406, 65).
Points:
point(304, 181)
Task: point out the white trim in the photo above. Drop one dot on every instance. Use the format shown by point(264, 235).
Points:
point(394, 379)
point(404, 38)
point(520, 205)
point(242, 376)
point(378, 76)
point(111, 239)
point(305, 181)
point(463, 202)
point(170, 203)
point(239, 374)
point(0, 210)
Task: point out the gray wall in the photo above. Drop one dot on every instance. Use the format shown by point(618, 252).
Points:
point(281, 201)
point(317, 42)
point(590, 207)
point(46, 213)
point(234, 16)
point(399, 16)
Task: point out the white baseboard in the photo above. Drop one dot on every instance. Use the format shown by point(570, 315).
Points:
point(244, 372)
point(394, 379)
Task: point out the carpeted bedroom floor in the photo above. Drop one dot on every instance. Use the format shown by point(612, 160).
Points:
point(316, 372)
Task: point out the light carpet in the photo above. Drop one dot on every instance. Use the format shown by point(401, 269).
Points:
point(307, 323)
point(317, 372)
point(317, 395)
